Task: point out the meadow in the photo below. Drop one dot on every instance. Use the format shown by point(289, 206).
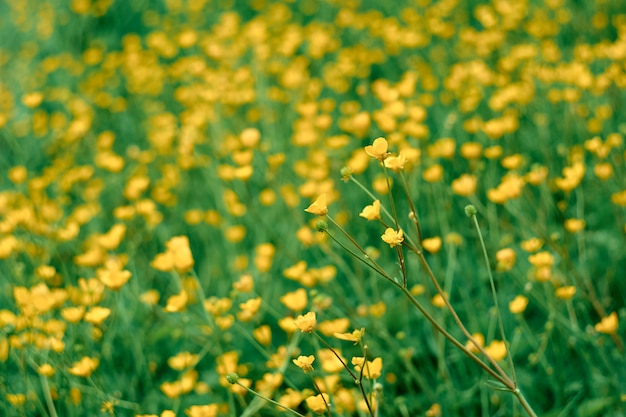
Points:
point(298, 208)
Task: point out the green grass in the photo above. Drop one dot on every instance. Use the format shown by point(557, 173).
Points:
point(132, 114)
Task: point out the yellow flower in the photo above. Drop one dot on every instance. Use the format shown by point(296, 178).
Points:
point(506, 259)
point(479, 339)
point(84, 367)
point(355, 336)
point(318, 403)
point(202, 410)
point(518, 305)
point(393, 238)
point(433, 173)
point(433, 244)
point(372, 369)
point(378, 149)
point(306, 323)
point(296, 300)
point(318, 207)
point(305, 363)
point(608, 325)
point(465, 185)
point(97, 315)
point(371, 212)
point(396, 162)
point(565, 293)
point(177, 302)
point(574, 225)
point(496, 349)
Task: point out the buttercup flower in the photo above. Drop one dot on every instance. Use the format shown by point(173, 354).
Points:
point(393, 238)
point(355, 336)
point(318, 403)
point(318, 207)
point(378, 149)
point(371, 212)
point(608, 324)
point(305, 363)
point(306, 323)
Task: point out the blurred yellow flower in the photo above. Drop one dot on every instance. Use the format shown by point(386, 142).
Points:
point(574, 225)
point(465, 185)
point(177, 302)
point(318, 403)
point(608, 324)
point(505, 259)
point(518, 304)
point(496, 349)
point(296, 300)
point(479, 338)
point(84, 367)
point(392, 237)
point(432, 244)
point(565, 293)
point(305, 363)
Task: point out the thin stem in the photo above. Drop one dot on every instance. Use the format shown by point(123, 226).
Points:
point(269, 400)
point(345, 365)
point(495, 297)
point(414, 216)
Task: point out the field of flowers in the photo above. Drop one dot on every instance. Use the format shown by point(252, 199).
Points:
point(334, 207)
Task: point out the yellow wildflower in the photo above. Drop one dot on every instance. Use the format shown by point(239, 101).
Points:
point(518, 304)
point(319, 206)
point(378, 149)
point(608, 324)
point(392, 237)
point(355, 336)
point(85, 367)
point(371, 212)
point(307, 322)
point(318, 403)
point(305, 363)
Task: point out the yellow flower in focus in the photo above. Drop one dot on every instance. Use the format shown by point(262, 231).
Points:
point(318, 403)
point(84, 367)
point(608, 325)
point(305, 363)
point(371, 370)
point(371, 212)
point(432, 244)
point(518, 304)
point(396, 163)
point(393, 238)
point(378, 149)
point(319, 206)
point(306, 323)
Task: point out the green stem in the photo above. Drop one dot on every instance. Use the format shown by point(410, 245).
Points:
point(495, 298)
